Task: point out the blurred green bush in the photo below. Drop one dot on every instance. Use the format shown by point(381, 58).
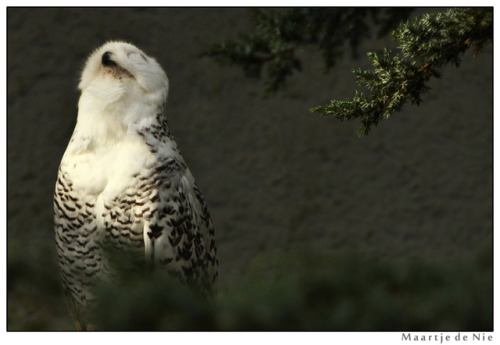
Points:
point(304, 291)
point(279, 291)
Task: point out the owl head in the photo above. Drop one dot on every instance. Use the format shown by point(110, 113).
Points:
point(120, 71)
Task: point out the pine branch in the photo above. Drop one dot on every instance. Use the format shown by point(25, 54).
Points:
point(426, 45)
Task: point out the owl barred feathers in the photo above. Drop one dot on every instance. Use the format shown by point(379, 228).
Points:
point(122, 184)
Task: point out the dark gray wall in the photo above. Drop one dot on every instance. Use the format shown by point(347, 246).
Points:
point(276, 177)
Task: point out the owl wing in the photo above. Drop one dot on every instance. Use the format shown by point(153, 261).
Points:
point(79, 258)
point(180, 233)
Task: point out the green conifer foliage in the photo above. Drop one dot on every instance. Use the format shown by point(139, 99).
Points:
point(425, 45)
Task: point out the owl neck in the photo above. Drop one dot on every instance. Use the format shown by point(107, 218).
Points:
point(102, 123)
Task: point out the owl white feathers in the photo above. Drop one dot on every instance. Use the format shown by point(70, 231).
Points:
point(123, 185)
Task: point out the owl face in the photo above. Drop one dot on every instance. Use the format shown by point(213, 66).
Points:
point(119, 68)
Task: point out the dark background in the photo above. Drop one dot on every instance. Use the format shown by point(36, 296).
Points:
point(277, 178)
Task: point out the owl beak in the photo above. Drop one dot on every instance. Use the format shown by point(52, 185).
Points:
point(106, 60)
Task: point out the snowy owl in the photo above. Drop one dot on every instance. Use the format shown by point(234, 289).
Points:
point(123, 186)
